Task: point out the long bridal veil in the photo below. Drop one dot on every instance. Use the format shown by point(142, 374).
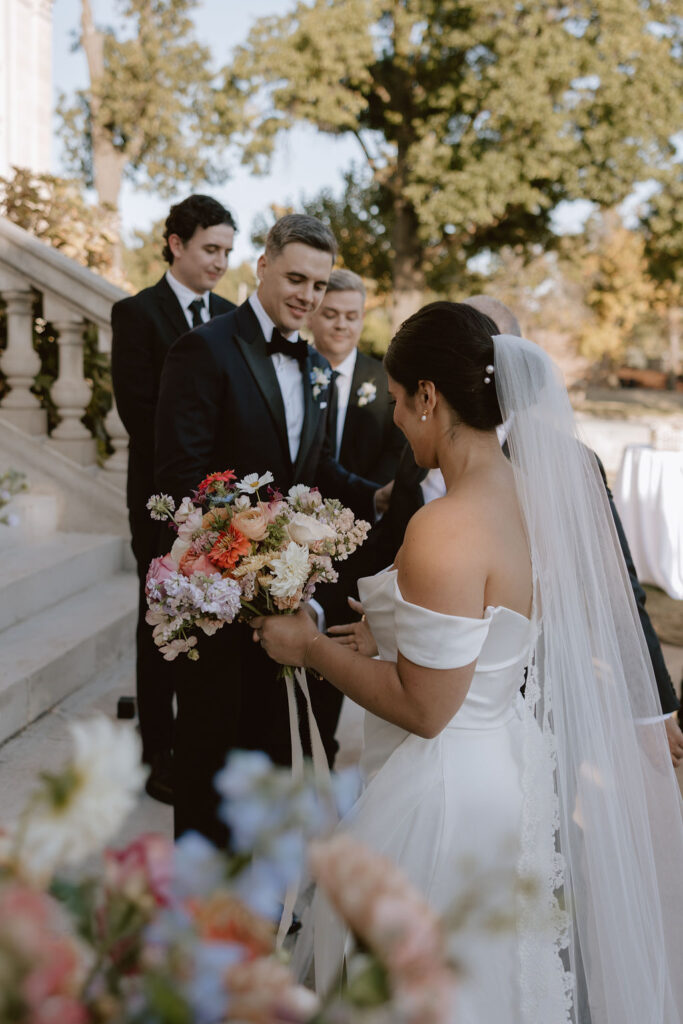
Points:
point(620, 815)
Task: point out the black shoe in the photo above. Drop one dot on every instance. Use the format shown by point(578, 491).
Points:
point(159, 785)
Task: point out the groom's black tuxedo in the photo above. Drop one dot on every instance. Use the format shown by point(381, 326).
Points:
point(220, 407)
point(144, 327)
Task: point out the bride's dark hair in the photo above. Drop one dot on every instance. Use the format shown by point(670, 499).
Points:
point(450, 344)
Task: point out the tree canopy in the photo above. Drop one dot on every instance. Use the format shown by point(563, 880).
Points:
point(474, 120)
point(151, 112)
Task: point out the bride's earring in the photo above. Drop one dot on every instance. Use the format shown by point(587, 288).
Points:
point(423, 417)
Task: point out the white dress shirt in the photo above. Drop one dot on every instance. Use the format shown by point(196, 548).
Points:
point(185, 296)
point(289, 377)
point(343, 382)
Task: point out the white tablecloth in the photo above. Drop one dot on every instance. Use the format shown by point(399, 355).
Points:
point(649, 497)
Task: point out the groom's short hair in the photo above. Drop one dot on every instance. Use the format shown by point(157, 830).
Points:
point(299, 227)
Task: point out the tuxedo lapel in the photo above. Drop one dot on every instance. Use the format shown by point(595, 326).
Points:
point(251, 343)
point(312, 410)
point(171, 310)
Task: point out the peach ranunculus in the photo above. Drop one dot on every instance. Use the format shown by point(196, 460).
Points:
point(305, 529)
point(192, 562)
point(252, 522)
point(222, 917)
point(263, 991)
point(160, 569)
point(230, 546)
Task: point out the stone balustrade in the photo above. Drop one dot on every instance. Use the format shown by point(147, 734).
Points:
point(73, 298)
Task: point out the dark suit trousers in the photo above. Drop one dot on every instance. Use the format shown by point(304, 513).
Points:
point(154, 676)
point(232, 699)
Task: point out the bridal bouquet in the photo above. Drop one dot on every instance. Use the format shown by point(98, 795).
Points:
point(238, 555)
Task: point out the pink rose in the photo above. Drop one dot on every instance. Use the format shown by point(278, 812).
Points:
point(191, 563)
point(141, 870)
point(160, 569)
point(252, 522)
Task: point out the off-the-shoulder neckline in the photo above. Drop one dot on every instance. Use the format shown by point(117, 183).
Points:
point(392, 571)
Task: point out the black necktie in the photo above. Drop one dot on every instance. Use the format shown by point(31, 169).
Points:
point(296, 349)
point(196, 307)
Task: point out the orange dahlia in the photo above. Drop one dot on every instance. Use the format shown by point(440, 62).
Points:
point(229, 548)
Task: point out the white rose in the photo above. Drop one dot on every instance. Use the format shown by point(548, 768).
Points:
point(305, 529)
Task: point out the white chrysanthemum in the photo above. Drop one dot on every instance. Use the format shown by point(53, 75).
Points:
point(252, 481)
point(291, 570)
point(77, 811)
point(299, 492)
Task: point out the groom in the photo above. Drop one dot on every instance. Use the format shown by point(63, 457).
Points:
point(244, 392)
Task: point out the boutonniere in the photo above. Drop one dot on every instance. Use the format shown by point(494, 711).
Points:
point(320, 379)
point(367, 393)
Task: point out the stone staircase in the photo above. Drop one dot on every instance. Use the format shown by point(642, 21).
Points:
point(67, 613)
point(68, 592)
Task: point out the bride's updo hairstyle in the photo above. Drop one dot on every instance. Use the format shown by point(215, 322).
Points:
point(450, 344)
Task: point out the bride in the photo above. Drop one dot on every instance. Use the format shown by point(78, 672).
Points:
point(514, 579)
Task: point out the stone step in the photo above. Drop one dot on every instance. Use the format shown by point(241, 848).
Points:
point(35, 575)
point(55, 652)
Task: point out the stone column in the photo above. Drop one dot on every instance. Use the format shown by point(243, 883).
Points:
point(20, 361)
point(70, 392)
point(117, 463)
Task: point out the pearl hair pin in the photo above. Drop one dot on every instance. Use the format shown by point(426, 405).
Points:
point(489, 370)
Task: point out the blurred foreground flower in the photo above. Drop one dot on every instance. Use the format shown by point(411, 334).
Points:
point(74, 812)
point(408, 966)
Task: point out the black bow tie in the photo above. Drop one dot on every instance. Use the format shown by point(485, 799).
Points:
point(296, 349)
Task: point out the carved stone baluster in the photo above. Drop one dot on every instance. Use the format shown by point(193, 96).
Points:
point(70, 392)
point(117, 463)
point(20, 361)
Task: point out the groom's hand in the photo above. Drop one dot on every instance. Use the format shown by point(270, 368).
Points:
point(383, 497)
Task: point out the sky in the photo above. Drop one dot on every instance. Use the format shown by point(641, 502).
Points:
point(305, 161)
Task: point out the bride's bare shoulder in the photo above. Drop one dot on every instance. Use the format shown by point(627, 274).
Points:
point(443, 561)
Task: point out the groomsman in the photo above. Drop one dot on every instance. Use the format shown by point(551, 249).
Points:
point(366, 441)
point(198, 236)
point(244, 392)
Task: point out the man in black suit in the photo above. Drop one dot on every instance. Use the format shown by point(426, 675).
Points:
point(198, 237)
point(363, 434)
point(366, 440)
point(243, 392)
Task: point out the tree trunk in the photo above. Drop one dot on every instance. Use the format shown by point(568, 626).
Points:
point(108, 161)
point(408, 273)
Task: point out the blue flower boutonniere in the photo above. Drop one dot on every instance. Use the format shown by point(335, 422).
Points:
point(320, 380)
point(367, 393)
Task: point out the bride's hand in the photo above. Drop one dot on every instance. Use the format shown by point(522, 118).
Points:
point(285, 638)
point(355, 635)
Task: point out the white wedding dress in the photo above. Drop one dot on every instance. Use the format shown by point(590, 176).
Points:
point(450, 811)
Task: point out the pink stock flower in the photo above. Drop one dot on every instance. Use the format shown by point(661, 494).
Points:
point(160, 569)
point(142, 871)
point(273, 508)
point(192, 562)
point(392, 918)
